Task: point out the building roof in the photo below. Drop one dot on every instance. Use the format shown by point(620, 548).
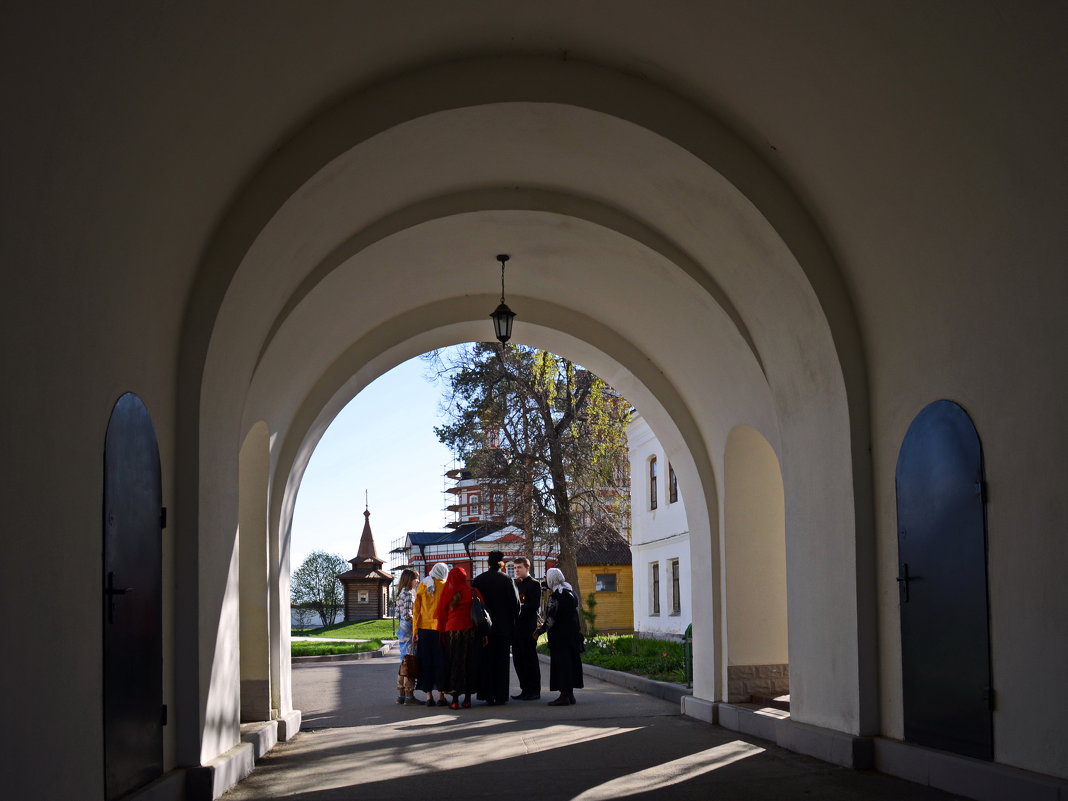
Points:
point(603, 545)
point(366, 564)
point(463, 533)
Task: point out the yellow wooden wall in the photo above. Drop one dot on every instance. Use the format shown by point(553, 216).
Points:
point(615, 610)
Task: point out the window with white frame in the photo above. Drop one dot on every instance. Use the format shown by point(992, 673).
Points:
point(654, 588)
point(676, 593)
point(652, 483)
point(605, 582)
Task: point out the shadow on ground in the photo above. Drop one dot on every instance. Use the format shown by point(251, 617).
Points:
point(357, 743)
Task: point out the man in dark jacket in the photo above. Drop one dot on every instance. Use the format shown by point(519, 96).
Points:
point(524, 641)
point(502, 602)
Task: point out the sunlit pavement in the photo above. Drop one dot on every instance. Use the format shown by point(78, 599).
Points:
point(358, 743)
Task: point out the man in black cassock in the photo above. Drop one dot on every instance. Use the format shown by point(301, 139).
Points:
point(502, 602)
point(524, 641)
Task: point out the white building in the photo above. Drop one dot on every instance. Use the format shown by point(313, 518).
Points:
point(660, 537)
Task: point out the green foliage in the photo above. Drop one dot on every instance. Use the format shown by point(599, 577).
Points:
point(658, 659)
point(662, 660)
point(364, 630)
point(326, 648)
point(589, 614)
point(314, 585)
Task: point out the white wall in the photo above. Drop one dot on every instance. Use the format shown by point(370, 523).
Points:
point(657, 535)
point(755, 548)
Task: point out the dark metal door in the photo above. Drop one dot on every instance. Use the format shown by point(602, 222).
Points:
point(132, 601)
point(945, 639)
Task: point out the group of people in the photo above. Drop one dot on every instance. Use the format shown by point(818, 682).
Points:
point(443, 651)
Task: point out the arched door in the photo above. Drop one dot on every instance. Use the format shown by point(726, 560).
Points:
point(132, 608)
point(945, 640)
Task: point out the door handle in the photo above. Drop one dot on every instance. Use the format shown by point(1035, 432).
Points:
point(904, 580)
point(111, 591)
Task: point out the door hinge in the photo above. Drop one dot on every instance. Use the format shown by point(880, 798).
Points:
point(989, 695)
point(163, 517)
point(163, 716)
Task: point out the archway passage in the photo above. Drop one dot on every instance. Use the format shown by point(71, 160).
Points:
point(730, 331)
point(945, 639)
point(132, 601)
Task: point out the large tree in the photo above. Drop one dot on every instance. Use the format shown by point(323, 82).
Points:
point(315, 584)
point(552, 431)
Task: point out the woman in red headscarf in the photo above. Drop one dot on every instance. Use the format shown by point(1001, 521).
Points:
point(461, 641)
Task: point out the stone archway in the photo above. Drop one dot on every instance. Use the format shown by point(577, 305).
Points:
point(698, 296)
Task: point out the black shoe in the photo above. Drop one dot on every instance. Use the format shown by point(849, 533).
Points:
point(527, 696)
point(520, 697)
point(561, 701)
point(431, 702)
point(442, 702)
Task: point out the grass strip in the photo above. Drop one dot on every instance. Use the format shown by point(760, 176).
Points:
point(363, 630)
point(328, 648)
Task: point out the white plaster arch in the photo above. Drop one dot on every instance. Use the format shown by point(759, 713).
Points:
point(755, 575)
point(722, 219)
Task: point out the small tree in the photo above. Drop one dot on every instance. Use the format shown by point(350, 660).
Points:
point(302, 614)
point(315, 584)
point(589, 614)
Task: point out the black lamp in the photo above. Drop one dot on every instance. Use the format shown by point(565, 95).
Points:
point(502, 316)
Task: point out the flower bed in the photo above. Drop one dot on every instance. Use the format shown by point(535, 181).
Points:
point(657, 659)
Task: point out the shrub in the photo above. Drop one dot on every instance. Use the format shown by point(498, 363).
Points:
point(657, 659)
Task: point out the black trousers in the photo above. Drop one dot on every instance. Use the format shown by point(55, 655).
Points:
point(527, 664)
point(495, 674)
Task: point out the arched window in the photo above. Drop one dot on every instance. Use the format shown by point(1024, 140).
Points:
point(652, 483)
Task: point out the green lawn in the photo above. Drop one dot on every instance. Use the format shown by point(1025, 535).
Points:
point(365, 630)
point(326, 648)
point(657, 659)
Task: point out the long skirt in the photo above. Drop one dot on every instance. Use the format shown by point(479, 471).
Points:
point(461, 660)
point(565, 667)
point(495, 670)
point(431, 661)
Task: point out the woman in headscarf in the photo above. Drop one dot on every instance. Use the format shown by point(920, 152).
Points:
point(565, 638)
point(427, 644)
point(404, 606)
point(460, 640)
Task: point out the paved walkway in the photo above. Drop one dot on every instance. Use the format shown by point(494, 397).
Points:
point(358, 743)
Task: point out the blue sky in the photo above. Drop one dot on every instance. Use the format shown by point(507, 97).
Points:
point(382, 442)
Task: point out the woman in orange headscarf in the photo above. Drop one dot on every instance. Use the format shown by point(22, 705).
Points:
point(461, 641)
point(425, 635)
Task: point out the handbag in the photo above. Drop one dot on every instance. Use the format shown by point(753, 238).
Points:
point(410, 667)
point(480, 616)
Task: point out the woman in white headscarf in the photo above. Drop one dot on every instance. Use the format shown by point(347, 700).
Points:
point(428, 649)
point(565, 638)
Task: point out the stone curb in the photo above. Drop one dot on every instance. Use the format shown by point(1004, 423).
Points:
point(385, 649)
point(659, 689)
